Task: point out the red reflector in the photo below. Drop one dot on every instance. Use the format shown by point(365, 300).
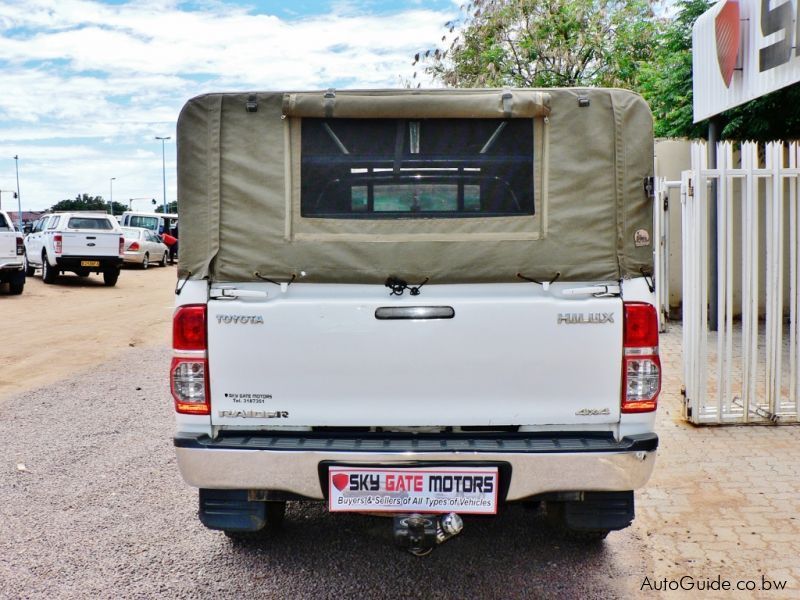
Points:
point(189, 327)
point(641, 325)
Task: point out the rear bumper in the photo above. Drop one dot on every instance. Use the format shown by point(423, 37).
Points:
point(11, 265)
point(293, 463)
point(74, 262)
point(134, 257)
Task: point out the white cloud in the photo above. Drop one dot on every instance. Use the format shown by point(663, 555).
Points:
point(86, 85)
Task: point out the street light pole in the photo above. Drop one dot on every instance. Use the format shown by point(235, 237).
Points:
point(111, 195)
point(164, 169)
point(19, 198)
point(1, 196)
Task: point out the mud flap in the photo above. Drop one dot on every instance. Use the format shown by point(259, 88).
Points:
point(230, 510)
point(599, 510)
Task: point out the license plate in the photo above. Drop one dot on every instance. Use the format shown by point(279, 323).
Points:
point(464, 490)
point(90, 263)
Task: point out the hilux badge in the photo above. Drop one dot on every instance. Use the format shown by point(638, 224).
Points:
point(584, 318)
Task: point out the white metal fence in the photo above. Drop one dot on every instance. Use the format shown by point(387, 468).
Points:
point(748, 370)
point(661, 248)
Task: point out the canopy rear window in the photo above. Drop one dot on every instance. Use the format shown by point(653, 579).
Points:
point(425, 168)
point(89, 223)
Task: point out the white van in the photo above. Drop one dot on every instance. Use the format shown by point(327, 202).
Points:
point(149, 220)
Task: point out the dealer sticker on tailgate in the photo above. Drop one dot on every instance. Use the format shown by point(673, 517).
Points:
point(466, 490)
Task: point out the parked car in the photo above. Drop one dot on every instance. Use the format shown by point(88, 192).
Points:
point(80, 242)
point(143, 247)
point(11, 267)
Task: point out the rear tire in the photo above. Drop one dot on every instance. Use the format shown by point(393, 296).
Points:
point(49, 274)
point(163, 261)
point(110, 276)
point(17, 284)
point(145, 261)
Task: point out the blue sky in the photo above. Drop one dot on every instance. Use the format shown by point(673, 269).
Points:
point(87, 85)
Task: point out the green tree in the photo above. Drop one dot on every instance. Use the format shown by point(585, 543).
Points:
point(545, 43)
point(87, 202)
point(666, 80)
point(172, 207)
point(666, 83)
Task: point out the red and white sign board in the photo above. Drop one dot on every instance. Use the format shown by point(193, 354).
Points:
point(463, 490)
point(741, 50)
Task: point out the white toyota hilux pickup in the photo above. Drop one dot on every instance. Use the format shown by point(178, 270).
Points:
point(427, 304)
point(11, 268)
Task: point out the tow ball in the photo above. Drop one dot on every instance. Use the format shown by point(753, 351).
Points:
point(420, 534)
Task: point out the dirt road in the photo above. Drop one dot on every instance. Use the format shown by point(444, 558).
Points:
point(43, 341)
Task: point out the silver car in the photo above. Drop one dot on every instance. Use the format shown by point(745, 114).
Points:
point(143, 247)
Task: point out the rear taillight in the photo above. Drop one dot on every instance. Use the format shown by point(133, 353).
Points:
point(20, 247)
point(122, 245)
point(134, 246)
point(189, 368)
point(641, 367)
point(57, 243)
point(189, 328)
point(189, 385)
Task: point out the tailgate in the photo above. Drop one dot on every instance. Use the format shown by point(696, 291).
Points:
point(94, 243)
point(8, 246)
point(510, 354)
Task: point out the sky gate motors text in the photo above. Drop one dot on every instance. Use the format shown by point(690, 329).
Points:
point(459, 484)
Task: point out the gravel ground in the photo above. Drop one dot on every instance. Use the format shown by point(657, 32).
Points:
point(92, 506)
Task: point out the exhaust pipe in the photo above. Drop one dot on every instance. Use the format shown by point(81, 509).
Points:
point(420, 534)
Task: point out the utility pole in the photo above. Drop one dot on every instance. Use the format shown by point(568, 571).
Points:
point(164, 169)
point(111, 196)
point(19, 199)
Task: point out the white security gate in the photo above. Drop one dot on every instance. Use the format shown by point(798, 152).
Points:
point(748, 370)
point(661, 247)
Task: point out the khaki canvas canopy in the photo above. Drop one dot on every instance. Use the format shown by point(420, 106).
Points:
point(240, 188)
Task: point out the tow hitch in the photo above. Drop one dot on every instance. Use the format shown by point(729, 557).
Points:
point(420, 534)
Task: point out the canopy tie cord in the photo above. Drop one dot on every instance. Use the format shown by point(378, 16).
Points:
point(181, 283)
point(542, 283)
point(398, 286)
point(648, 279)
point(262, 278)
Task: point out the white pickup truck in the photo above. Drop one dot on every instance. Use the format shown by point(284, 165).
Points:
point(79, 242)
point(422, 303)
point(11, 267)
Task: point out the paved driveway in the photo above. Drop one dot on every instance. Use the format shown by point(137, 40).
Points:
point(723, 501)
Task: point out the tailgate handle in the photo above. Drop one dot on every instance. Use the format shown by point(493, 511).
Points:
point(385, 313)
point(230, 293)
point(91, 237)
